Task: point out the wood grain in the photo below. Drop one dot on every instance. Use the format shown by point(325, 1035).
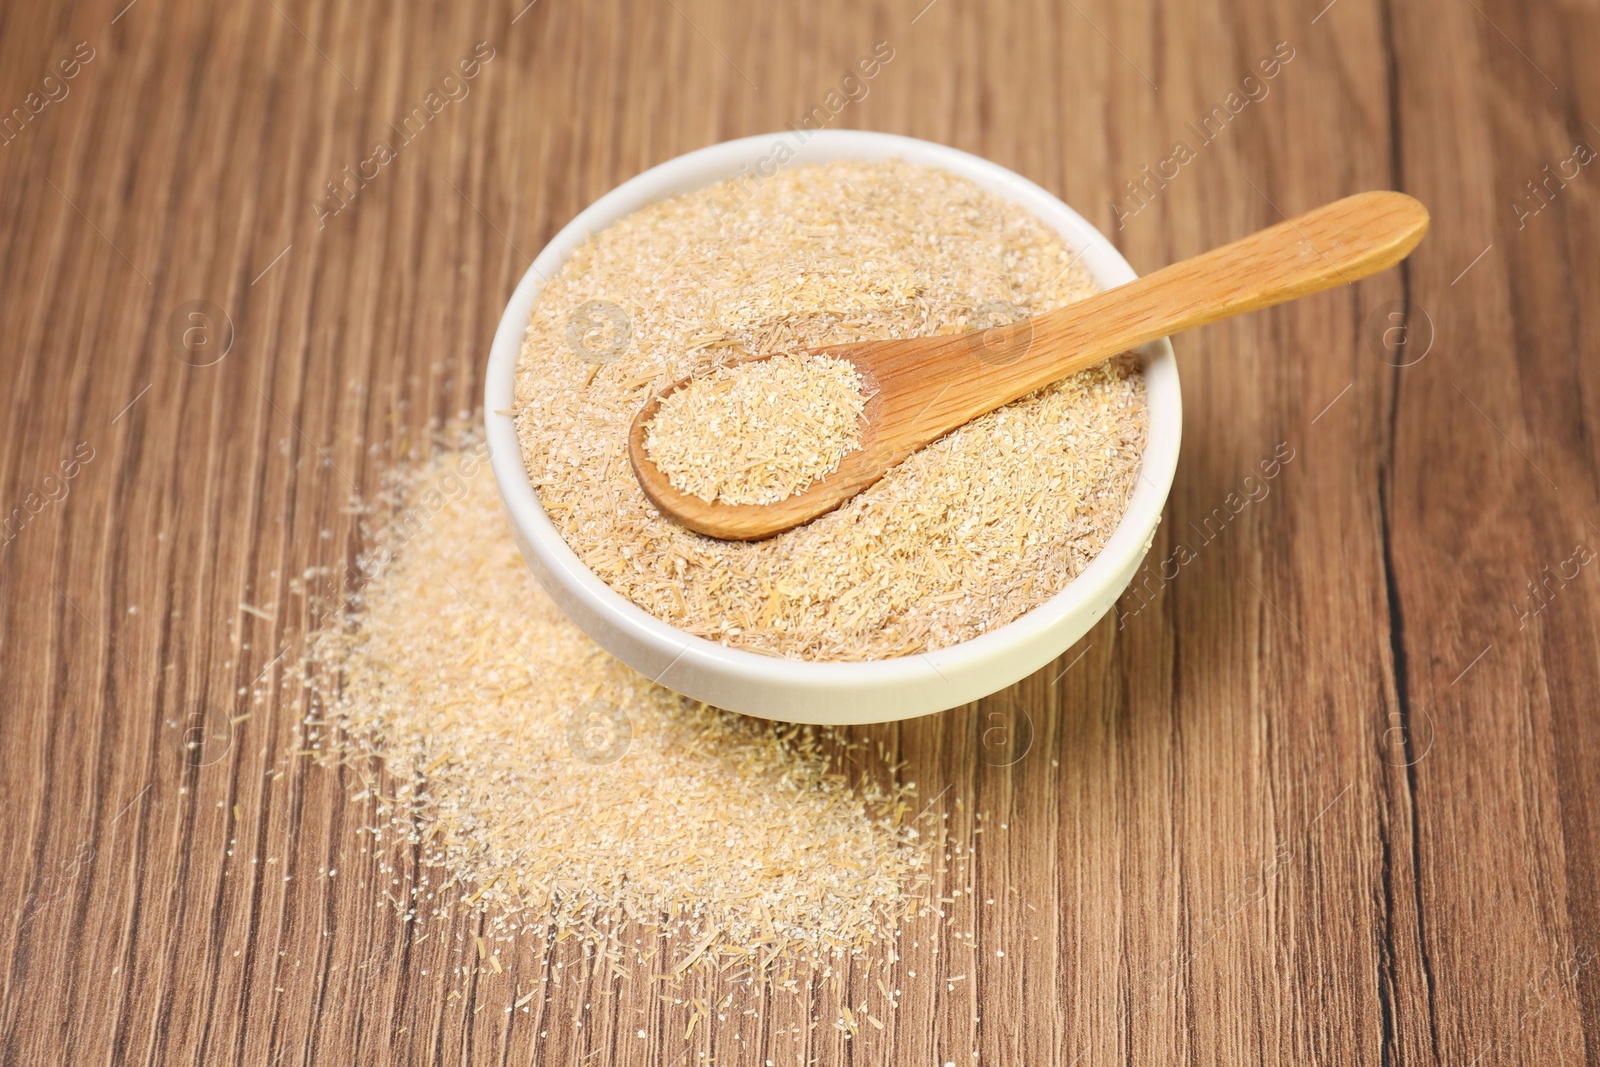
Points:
point(1323, 791)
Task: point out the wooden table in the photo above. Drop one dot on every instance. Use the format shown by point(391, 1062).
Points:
point(1325, 791)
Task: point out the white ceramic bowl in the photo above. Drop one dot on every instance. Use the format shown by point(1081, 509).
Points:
point(796, 690)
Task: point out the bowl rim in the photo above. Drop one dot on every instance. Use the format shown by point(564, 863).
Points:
point(1130, 540)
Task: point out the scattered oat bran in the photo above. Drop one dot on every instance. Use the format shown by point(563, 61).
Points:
point(563, 793)
point(964, 536)
point(758, 432)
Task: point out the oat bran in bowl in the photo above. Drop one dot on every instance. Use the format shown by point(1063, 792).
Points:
point(971, 565)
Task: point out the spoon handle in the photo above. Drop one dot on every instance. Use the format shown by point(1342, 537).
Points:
point(1333, 245)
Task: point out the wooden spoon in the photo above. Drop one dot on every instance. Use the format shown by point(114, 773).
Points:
point(921, 388)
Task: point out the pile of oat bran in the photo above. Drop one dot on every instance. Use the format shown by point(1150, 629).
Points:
point(739, 839)
point(759, 431)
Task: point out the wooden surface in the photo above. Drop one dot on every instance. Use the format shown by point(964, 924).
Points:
point(1324, 793)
